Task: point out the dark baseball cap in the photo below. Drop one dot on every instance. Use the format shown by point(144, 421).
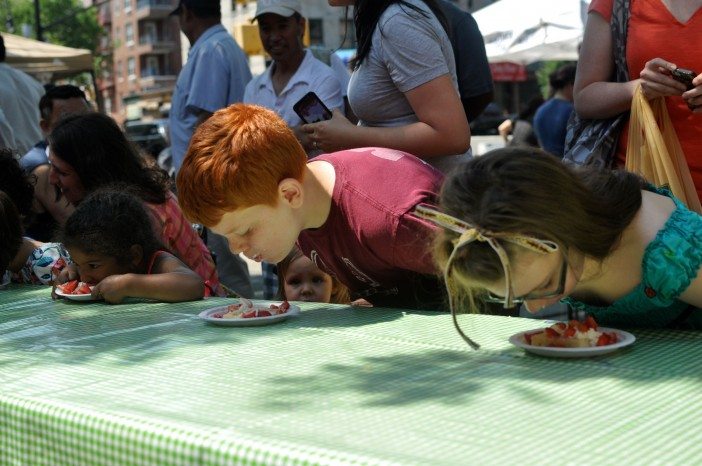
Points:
point(199, 7)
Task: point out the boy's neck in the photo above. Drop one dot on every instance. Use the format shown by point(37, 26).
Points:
point(318, 185)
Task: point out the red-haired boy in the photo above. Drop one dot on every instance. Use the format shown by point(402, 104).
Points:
point(246, 177)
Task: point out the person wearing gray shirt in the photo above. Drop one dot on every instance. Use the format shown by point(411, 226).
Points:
point(404, 86)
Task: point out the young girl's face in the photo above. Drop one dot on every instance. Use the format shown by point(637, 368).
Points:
point(305, 282)
point(539, 280)
point(92, 268)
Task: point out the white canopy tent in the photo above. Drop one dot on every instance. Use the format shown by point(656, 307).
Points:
point(525, 32)
point(33, 57)
point(48, 61)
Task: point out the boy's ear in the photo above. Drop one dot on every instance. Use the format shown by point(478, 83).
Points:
point(290, 191)
point(136, 255)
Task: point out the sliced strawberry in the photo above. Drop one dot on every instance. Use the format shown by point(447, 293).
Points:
point(551, 333)
point(559, 327)
point(590, 322)
point(604, 340)
point(570, 332)
point(613, 337)
point(281, 308)
point(579, 326)
point(83, 288)
point(256, 313)
point(68, 287)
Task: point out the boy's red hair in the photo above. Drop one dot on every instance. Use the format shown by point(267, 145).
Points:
point(235, 160)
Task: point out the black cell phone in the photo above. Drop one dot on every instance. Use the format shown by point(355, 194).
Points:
point(311, 109)
point(684, 76)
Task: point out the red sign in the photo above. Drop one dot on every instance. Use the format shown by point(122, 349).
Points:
point(506, 71)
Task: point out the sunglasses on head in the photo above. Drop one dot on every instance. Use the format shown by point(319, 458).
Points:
point(468, 234)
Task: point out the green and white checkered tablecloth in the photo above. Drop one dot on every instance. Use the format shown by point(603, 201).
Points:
point(149, 384)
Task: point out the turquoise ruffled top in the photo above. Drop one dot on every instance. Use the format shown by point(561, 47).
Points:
point(670, 262)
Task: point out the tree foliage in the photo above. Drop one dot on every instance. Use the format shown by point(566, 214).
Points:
point(64, 22)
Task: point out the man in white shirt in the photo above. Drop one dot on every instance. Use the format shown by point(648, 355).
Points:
point(294, 71)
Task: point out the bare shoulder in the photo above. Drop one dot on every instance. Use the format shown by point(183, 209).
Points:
point(622, 268)
point(655, 210)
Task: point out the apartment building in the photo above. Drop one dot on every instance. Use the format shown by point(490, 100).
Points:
point(141, 50)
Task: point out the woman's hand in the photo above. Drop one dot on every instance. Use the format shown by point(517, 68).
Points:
point(657, 81)
point(693, 97)
point(329, 135)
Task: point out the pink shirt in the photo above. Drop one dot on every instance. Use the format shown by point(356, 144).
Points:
point(179, 237)
point(371, 242)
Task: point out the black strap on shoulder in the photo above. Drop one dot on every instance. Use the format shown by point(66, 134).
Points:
point(619, 25)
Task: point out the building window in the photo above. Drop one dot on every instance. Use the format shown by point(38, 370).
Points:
point(151, 67)
point(148, 35)
point(129, 34)
point(127, 6)
point(316, 31)
point(131, 68)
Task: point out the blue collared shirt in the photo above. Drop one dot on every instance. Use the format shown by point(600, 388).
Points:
point(214, 77)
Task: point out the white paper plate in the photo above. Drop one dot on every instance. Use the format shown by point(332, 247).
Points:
point(206, 315)
point(75, 297)
point(623, 339)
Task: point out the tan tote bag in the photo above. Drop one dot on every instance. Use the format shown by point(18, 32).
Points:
point(654, 152)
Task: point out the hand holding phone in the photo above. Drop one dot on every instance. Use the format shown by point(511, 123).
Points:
point(685, 76)
point(311, 109)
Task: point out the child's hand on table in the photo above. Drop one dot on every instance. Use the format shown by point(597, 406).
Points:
point(113, 289)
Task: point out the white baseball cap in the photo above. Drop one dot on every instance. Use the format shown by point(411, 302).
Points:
point(285, 8)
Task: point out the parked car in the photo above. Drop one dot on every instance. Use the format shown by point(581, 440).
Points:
point(151, 135)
